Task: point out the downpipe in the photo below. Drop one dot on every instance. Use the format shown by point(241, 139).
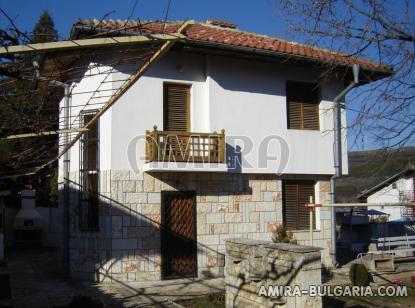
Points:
point(66, 165)
point(337, 128)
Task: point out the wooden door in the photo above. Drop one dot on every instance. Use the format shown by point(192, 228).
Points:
point(178, 238)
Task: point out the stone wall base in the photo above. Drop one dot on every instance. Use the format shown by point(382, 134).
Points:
point(253, 267)
point(127, 246)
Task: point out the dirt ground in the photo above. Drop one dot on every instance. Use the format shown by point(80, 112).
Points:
point(31, 277)
point(34, 279)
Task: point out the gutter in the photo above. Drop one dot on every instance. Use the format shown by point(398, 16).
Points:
point(338, 153)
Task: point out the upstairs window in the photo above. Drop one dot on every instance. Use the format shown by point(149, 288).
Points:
point(176, 107)
point(89, 146)
point(303, 101)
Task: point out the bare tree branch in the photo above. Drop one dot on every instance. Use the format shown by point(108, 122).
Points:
point(381, 30)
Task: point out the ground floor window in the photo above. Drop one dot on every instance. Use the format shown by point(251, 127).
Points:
point(89, 175)
point(295, 195)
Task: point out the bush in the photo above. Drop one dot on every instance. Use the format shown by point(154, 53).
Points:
point(281, 235)
point(359, 276)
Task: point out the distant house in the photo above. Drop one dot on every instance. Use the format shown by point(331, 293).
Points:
point(398, 188)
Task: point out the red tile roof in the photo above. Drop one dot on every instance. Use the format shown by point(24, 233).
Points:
point(220, 34)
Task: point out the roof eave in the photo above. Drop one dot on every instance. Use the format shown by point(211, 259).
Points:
point(378, 73)
point(373, 74)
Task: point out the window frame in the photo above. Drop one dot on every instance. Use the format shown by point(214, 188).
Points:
point(89, 221)
point(317, 103)
point(188, 86)
point(299, 223)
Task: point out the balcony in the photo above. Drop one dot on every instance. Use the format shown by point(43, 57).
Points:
point(185, 151)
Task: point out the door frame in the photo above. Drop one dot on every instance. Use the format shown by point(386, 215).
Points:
point(164, 194)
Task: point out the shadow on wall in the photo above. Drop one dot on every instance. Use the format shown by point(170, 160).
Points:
point(267, 78)
point(125, 248)
point(277, 272)
point(229, 73)
point(128, 245)
point(234, 158)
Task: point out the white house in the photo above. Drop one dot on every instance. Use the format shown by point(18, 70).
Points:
point(398, 188)
point(227, 135)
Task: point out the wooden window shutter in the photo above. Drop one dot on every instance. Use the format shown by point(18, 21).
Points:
point(310, 116)
point(302, 105)
point(295, 196)
point(295, 115)
point(290, 206)
point(176, 107)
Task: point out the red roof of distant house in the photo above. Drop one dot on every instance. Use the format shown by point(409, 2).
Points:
point(224, 34)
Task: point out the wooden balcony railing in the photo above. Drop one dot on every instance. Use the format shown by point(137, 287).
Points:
point(185, 146)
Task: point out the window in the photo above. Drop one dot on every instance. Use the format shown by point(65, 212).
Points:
point(89, 146)
point(176, 107)
point(394, 186)
point(302, 105)
point(295, 195)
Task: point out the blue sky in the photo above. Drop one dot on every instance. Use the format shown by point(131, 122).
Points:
point(260, 16)
point(257, 16)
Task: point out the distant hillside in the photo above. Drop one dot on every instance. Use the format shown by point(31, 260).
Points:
point(368, 168)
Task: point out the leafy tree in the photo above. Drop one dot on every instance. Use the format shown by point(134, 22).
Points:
point(44, 30)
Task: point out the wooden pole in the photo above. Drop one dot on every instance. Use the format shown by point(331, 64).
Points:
point(85, 43)
point(311, 209)
point(410, 204)
point(46, 133)
point(222, 147)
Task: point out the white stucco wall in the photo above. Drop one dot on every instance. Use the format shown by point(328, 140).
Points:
point(244, 97)
point(141, 107)
point(248, 99)
point(85, 98)
point(404, 191)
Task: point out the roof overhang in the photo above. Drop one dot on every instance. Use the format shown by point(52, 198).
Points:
point(367, 74)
